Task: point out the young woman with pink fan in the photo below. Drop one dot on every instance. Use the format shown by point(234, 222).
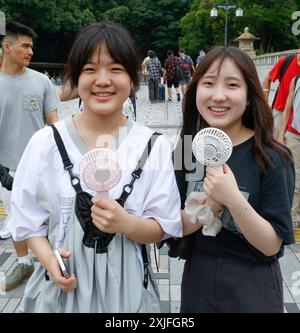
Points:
point(97, 188)
point(234, 267)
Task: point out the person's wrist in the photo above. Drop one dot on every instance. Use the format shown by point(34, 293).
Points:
point(236, 199)
point(129, 224)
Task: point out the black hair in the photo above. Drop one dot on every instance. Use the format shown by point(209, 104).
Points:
point(118, 42)
point(151, 54)
point(15, 29)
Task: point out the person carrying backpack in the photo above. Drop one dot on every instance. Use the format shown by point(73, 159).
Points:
point(283, 71)
point(187, 66)
point(171, 65)
point(289, 134)
point(154, 69)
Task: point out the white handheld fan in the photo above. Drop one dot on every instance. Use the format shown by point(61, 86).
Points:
point(100, 170)
point(212, 147)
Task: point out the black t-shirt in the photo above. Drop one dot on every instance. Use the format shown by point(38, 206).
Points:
point(270, 195)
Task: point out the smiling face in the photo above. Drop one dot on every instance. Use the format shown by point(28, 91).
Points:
point(221, 96)
point(103, 84)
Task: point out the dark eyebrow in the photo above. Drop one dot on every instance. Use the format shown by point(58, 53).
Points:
point(27, 44)
point(90, 62)
point(212, 76)
point(209, 76)
point(233, 78)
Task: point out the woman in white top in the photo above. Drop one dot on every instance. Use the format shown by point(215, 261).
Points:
point(103, 66)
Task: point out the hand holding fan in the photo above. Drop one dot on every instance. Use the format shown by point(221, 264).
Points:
point(212, 147)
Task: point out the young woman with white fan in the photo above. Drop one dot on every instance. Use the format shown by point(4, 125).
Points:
point(235, 269)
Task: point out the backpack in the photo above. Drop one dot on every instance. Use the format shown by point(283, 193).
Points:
point(296, 106)
point(185, 64)
point(282, 71)
point(179, 73)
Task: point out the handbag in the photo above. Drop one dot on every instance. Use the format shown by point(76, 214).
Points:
point(181, 248)
point(6, 179)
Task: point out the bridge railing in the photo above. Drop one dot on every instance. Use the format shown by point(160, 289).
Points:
point(270, 59)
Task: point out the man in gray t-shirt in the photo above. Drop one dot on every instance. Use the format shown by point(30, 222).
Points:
point(28, 101)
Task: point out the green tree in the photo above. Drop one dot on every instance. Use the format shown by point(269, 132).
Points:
point(153, 24)
point(48, 15)
point(269, 20)
point(156, 24)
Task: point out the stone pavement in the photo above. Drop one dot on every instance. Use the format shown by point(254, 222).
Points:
point(166, 119)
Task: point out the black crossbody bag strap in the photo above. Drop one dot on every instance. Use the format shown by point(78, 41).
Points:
point(127, 189)
point(68, 165)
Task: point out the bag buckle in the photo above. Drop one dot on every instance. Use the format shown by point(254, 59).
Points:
point(74, 179)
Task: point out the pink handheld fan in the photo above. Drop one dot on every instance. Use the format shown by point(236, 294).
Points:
point(100, 170)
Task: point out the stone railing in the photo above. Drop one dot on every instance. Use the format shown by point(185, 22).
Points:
point(271, 58)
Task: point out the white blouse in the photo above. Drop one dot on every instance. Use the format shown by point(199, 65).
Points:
point(42, 188)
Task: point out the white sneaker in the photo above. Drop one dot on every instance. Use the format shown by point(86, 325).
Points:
point(20, 273)
point(4, 232)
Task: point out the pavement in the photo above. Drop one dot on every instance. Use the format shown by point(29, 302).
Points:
point(166, 118)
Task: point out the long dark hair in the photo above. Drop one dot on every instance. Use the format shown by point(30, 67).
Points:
point(118, 42)
point(257, 116)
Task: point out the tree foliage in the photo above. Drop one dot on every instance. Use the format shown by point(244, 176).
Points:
point(158, 25)
point(270, 20)
point(153, 24)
